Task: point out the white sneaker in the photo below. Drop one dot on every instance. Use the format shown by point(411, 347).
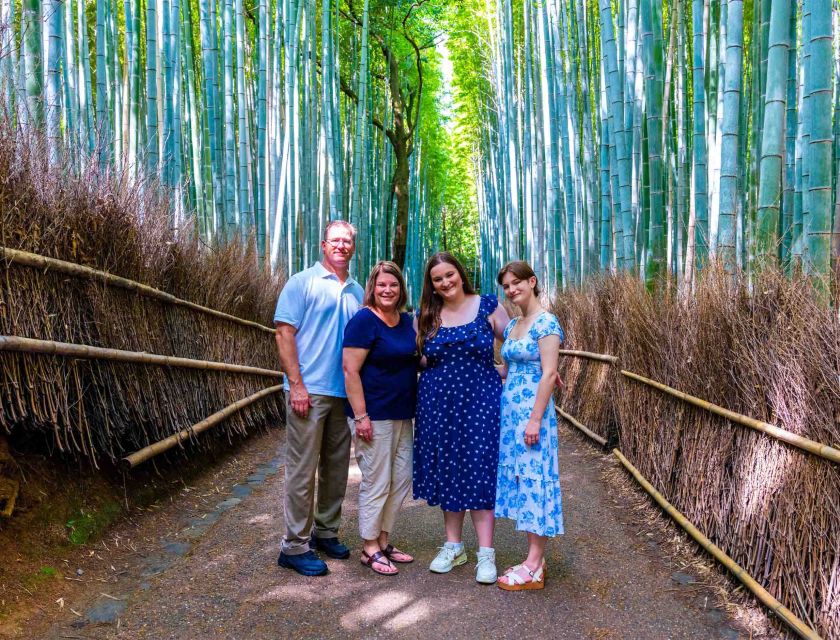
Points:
point(448, 557)
point(485, 569)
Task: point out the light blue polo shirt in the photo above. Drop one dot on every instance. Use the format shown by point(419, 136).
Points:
point(316, 304)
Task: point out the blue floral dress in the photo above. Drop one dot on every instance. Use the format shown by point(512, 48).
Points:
point(528, 486)
point(456, 431)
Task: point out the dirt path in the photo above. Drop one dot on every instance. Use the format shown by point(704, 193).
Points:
point(217, 577)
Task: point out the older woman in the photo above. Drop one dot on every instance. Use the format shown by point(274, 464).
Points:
point(380, 375)
point(528, 485)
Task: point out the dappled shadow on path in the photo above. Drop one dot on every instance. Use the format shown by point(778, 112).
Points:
point(604, 581)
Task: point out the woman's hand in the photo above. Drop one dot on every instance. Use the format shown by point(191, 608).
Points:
point(532, 432)
point(364, 429)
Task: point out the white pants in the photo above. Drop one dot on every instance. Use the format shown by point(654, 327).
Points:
point(386, 466)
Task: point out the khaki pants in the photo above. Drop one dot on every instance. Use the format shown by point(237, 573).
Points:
point(386, 465)
point(318, 443)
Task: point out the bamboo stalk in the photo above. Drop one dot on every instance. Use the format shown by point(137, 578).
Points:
point(822, 450)
point(591, 434)
point(155, 449)
point(602, 357)
point(87, 352)
point(69, 268)
point(803, 630)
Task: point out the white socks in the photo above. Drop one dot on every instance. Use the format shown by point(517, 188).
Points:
point(457, 547)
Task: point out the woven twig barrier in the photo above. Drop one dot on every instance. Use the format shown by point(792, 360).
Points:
point(147, 453)
point(92, 260)
point(763, 348)
point(24, 258)
point(48, 347)
point(816, 448)
point(785, 614)
point(806, 444)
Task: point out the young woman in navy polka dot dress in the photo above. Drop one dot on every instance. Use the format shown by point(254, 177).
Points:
point(456, 433)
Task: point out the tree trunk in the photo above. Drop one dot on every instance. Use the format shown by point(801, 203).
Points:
point(399, 184)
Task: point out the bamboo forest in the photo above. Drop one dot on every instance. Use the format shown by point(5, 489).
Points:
point(666, 430)
point(581, 136)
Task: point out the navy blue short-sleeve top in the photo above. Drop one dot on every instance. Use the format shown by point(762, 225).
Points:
point(389, 374)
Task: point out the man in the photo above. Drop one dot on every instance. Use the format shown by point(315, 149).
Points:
point(312, 311)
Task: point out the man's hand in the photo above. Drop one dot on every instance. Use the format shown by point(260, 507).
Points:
point(299, 399)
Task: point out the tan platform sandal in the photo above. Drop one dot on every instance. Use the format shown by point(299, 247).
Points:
point(515, 581)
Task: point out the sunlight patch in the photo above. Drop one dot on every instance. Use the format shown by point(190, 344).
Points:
point(374, 609)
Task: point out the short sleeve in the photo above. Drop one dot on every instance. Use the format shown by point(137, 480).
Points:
point(509, 327)
point(292, 303)
point(489, 302)
point(547, 325)
point(360, 332)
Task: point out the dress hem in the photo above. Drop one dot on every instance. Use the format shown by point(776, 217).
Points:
point(529, 529)
point(437, 503)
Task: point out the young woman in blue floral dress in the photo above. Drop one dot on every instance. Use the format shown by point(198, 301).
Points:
point(456, 431)
point(528, 479)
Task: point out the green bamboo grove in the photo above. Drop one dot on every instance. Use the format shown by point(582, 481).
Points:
point(263, 117)
point(650, 136)
point(582, 135)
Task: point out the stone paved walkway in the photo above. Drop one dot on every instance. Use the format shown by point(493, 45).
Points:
point(217, 578)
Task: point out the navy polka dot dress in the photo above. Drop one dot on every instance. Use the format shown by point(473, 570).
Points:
point(456, 431)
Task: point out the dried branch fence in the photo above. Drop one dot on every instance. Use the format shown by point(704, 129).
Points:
point(766, 498)
point(95, 400)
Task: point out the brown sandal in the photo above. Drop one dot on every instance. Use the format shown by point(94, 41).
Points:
point(395, 555)
point(378, 558)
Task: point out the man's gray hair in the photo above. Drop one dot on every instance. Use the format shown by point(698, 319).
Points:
point(340, 223)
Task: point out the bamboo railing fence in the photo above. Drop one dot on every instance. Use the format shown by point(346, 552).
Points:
point(149, 452)
point(26, 259)
point(785, 614)
point(829, 453)
point(114, 366)
point(739, 429)
point(87, 352)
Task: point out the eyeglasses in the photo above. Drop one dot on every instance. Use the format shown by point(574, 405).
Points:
point(339, 242)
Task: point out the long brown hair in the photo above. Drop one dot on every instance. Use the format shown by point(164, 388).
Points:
point(430, 303)
point(385, 266)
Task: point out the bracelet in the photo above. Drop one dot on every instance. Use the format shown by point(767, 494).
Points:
point(360, 418)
